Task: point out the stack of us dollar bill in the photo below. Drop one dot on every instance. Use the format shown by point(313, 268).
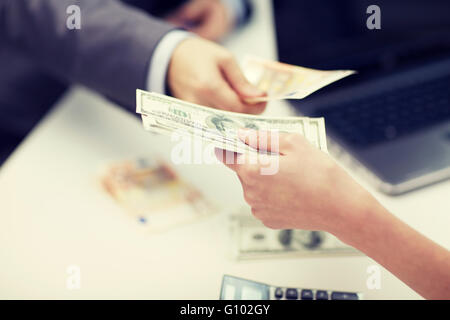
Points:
point(166, 115)
point(250, 239)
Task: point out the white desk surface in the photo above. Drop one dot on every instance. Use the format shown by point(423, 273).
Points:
point(54, 214)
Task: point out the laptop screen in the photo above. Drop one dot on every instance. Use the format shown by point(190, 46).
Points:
point(330, 34)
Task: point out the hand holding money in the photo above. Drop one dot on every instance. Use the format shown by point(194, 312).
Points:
point(166, 115)
point(205, 73)
point(309, 191)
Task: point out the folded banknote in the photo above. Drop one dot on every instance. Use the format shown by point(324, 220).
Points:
point(285, 81)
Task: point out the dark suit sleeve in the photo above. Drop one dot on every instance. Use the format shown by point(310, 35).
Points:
point(109, 54)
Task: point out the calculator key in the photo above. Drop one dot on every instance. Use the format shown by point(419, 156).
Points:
point(291, 294)
point(321, 295)
point(344, 296)
point(278, 293)
point(307, 294)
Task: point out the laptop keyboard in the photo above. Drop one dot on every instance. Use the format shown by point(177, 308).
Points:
point(390, 115)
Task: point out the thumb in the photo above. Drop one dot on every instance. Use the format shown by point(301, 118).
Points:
point(238, 81)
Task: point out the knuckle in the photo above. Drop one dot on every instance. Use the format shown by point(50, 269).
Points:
point(252, 196)
point(227, 57)
point(258, 109)
point(207, 87)
point(291, 139)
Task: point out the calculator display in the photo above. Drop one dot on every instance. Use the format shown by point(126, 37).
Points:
point(240, 289)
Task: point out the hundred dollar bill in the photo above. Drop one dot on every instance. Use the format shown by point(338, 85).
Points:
point(316, 133)
point(284, 81)
point(250, 239)
point(166, 115)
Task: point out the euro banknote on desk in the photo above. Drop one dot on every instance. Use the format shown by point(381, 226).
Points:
point(167, 115)
point(153, 195)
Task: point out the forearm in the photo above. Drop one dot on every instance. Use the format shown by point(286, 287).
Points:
point(416, 260)
point(109, 54)
point(314, 193)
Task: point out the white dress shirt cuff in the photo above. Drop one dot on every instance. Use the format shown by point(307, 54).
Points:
point(159, 63)
point(237, 10)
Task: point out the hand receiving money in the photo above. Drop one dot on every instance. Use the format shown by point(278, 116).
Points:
point(309, 191)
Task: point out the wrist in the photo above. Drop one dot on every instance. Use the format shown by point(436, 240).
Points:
point(355, 212)
point(160, 61)
point(363, 223)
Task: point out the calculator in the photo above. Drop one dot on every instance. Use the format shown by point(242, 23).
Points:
point(234, 288)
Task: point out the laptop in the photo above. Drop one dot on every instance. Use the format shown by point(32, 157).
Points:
point(392, 119)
